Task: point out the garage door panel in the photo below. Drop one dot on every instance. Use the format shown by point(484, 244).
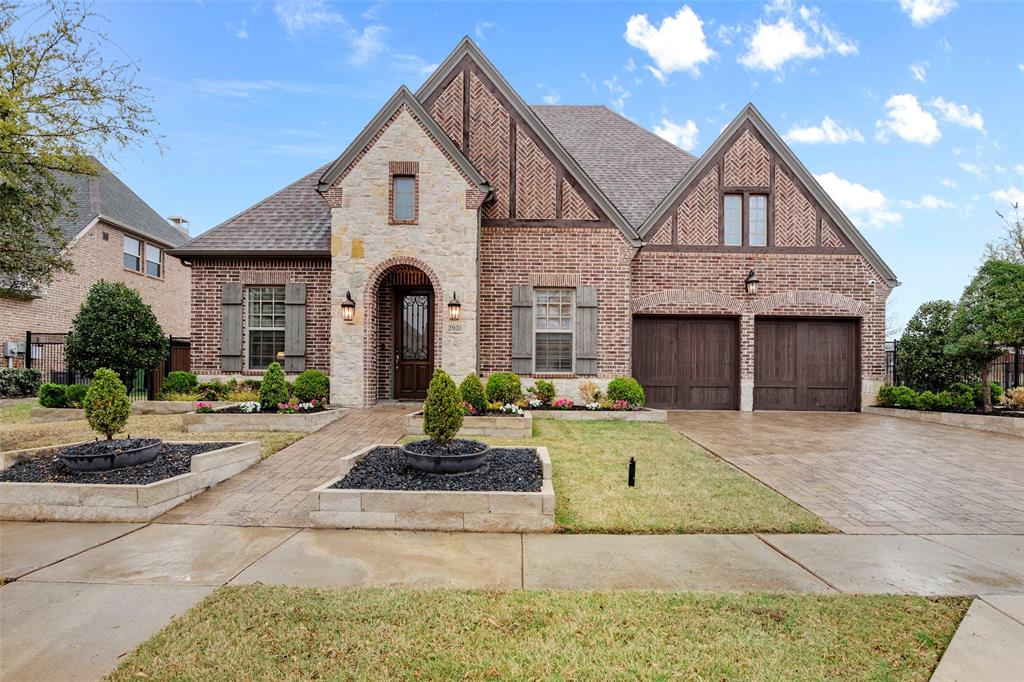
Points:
point(712, 397)
point(775, 398)
point(828, 399)
point(805, 365)
point(776, 343)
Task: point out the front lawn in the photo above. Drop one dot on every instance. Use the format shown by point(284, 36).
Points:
point(680, 488)
point(259, 632)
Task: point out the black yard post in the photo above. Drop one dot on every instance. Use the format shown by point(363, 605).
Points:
point(1016, 368)
point(28, 350)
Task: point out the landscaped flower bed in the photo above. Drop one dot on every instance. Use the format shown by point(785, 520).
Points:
point(505, 425)
point(47, 415)
point(233, 418)
point(960, 405)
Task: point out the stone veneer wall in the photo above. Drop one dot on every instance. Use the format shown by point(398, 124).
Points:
point(364, 246)
point(208, 274)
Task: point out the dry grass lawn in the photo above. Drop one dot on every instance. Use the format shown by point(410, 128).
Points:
point(259, 632)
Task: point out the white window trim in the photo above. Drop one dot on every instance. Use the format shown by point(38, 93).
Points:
point(571, 332)
point(145, 260)
point(140, 253)
point(249, 328)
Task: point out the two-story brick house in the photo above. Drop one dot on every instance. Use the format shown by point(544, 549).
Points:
point(466, 230)
point(112, 234)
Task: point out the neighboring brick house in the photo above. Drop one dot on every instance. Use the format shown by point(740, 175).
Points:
point(577, 245)
point(114, 235)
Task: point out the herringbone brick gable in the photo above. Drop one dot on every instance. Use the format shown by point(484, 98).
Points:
point(489, 139)
point(747, 163)
point(535, 180)
point(664, 233)
point(795, 218)
point(698, 215)
point(447, 109)
point(573, 205)
point(829, 238)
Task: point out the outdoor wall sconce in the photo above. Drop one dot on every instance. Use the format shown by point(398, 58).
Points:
point(348, 308)
point(751, 282)
point(454, 308)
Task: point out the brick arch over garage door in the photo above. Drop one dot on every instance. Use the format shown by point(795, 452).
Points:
point(699, 297)
point(804, 299)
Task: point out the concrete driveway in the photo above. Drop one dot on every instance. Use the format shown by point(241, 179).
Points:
point(872, 474)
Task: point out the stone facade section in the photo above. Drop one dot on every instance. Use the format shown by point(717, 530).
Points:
point(447, 109)
point(573, 205)
point(96, 258)
point(535, 180)
point(443, 245)
point(795, 217)
point(698, 215)
point(829, 236)
point(489, 140)
point(747, 163)
point(209, 274)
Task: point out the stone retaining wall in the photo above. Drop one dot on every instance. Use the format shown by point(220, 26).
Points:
point(100, 502)
point(644, 415)
point(46, 415)
point(501, 512)
point(487, 425)
point(981, 422)
point(215, 422)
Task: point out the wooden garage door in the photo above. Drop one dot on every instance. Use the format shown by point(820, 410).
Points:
point(687, 363)
point(805, 365)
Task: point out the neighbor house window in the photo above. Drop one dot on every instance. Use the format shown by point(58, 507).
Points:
point(553, 330)
point(758, 220)
point(733, 220)
point(266, 325)
point(154, 260)
point(132, 254)
point(403, 198)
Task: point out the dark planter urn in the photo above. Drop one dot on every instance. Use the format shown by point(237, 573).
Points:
point(102, 455)
point(457, 458)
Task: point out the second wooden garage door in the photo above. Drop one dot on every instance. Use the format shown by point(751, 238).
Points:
point(687, 363)
point(805, 365)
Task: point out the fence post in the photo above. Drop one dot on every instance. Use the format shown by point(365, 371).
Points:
point(1016, 368)
point(28, 350)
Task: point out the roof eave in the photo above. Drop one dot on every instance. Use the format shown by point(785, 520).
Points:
point(133, 230)
point(185, 253)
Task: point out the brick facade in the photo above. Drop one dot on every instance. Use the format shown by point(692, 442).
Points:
point(208, 274)
point(96, 258)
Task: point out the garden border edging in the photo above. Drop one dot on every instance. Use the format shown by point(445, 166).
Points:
point(645, 414)
point(218, 422)
point(1009, 426)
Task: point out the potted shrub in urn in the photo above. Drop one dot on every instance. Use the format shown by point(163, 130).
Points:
point(107, 408)
point(441, 452)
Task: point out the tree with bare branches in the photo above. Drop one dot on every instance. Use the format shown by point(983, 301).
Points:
point(1010, 246)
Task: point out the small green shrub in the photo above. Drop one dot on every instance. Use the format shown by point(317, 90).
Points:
point(961, 397)
point(979, 397)
point(504, 388)
point(106, 403)
point(74, 395)
point(928, 400)
point(905, 397)
point(886, 396)
point(628, 389)
point(179, 382)
point(215, 389)
point(180, 397)
point(52, 395)
point(472, 391)
point(442, 410)
point(273, 388)
point(244, 395)
point(19, 381)
point(312, 385)
point(544, 391)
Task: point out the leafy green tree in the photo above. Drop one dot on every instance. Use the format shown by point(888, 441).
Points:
point(115, 329)
point(989, 318)
point(62, 101)
point(921, 358)
point(106, 403)
point(1010, 245)
point(442, 410)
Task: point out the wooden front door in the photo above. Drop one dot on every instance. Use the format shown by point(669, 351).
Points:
point(413, 343)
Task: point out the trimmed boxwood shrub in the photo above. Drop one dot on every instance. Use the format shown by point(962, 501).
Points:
point(52, 395)
point(961, 397)
point(106, 403)
point(74, 395)
point(886, 396)
point(215, 389)
point(312, 385)
point(273, 388)
point(544, 391)
point(472, 391)
point(179, 382)
point(628, 389)
point(19, 381)
point(504, 388)
point(442, 410)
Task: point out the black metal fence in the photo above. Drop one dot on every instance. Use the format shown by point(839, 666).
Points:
point(1006, 370)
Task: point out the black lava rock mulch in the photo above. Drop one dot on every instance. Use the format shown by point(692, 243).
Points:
point(507, 470)
point(106, 447)
point(173, 460)
point(459, 446)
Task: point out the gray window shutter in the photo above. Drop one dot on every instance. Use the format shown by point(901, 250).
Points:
point(231, 327)
point(294, 327)
point(586, 330)
point(522, 330)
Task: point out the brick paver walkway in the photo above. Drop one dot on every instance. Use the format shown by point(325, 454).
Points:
point(872, 474)
point(275, 492)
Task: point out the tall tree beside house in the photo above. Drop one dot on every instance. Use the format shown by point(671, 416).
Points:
point(115, 328)
point(989, 318)
point(61, 101)
point(921, 358)
point(1010, 245)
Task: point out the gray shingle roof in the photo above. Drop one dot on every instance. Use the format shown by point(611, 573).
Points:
point(104, 195)
point(633, 167)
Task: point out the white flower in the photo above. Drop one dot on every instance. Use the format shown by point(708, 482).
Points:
point(535, 403)
point(249, 407)
point(593, 406)
point(509, 408)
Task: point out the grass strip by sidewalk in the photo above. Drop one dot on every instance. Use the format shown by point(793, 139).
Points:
point(280, 633)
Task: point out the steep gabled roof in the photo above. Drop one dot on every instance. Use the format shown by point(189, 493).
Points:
point(750, 114)
point(633, 167)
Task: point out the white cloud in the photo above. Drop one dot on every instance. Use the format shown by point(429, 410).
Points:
point(923, 12)
point(367, 45)
point(550, 95)
point(920, 70)
point(1019, 168)
point(412, 63)
point(618, 91)
point(300, 15)
point(828, 132)
point(947, 183)
point(959, 114)
point(797, 34)
point(684, 136)
point(1009, 195)
point(971, 168)
point(834, 41)
point(240, 30)
point(929, 202)
point(862, 204)
point(662, 78)
point(726, 34)
point(999, 169)
point(481, 29)
point(908, 120)
point(678, 44)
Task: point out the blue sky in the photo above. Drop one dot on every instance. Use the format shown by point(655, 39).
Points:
point(909, 112)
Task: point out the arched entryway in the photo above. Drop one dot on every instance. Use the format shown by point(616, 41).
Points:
point(403, 332)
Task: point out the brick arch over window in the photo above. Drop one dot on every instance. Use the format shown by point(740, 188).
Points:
point(370, 324)
point(792, 299)
point(687, 296)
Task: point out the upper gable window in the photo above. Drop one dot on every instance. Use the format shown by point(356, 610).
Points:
point(733, 220)
point(758, 220)
point(745, 220)
point(403, 192)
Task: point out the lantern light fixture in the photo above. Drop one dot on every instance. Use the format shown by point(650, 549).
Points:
point(348, 308)
point(454, 308)
point(750, 283)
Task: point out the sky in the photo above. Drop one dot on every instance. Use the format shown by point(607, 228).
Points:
point(908, 112)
